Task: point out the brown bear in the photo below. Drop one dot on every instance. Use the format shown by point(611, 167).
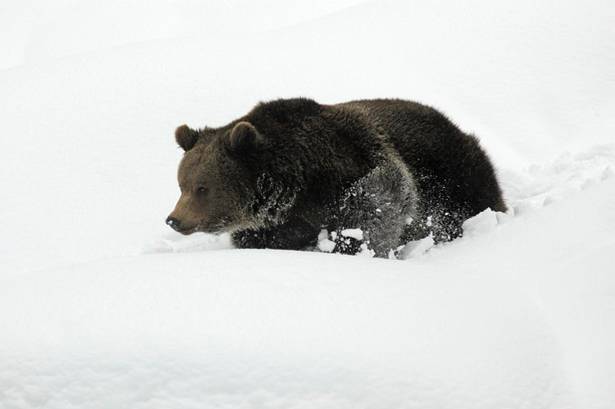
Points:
point(276, 177)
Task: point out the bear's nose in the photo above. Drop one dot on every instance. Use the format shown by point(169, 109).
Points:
point(173, 223)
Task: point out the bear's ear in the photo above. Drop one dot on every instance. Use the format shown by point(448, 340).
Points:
point(186, 137)
point(244, 137)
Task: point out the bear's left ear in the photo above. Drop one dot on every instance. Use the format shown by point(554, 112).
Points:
point(244, 137)
point(186, 137)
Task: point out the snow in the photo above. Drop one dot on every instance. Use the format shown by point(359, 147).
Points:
point(102, 305)
point(353, 233)
point(481, 223)
point(324, 243)
point(416, 248)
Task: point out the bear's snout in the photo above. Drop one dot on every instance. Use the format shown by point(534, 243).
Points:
point(180, 226)
point(186, 218)
point(173, 223)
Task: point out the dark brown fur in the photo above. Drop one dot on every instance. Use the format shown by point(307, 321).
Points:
point(289, 168)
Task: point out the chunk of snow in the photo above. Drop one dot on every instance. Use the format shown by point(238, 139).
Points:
point(353, 233)
point(365, 251)
point(482, 222)
point(416, 248)
point(503, 217)
point(326, 245)
point(324, 234)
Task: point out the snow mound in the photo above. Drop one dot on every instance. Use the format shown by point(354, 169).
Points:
point(270, 329)
point(254, 328)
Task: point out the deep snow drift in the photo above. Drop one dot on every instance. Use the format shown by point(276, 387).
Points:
point(516, 315)
point(101, 305)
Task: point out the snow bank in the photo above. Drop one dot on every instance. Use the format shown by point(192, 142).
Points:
point(469, 325)
point(271, 329)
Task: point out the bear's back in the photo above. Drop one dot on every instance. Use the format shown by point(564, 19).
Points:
point(449, 166)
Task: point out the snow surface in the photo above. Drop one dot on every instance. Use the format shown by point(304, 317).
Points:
point(353, 233)
point(103, 306)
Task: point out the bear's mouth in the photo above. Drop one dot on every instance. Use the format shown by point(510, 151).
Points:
point(218, 227)
point(187, 232)
point(210, 228)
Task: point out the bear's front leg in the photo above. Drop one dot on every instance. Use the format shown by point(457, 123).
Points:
point(378, 205)
point(295, 234)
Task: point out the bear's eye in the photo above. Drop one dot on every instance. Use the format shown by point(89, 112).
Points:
point(201, 189)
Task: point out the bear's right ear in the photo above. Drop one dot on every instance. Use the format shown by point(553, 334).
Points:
point(186, 137)
point(244, 137)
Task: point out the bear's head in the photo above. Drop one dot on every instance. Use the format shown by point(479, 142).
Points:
point(251, 173)
point(217, 179)
point(214, 184)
